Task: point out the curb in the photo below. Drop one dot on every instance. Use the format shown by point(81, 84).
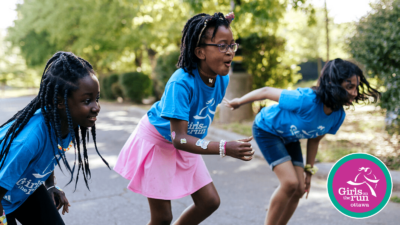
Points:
point(216, 134)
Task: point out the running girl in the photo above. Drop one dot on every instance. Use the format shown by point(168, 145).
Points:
point(34, 140)
point(305, 113)
point(162, 157)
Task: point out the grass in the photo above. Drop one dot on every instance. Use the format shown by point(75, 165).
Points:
point(395, 199)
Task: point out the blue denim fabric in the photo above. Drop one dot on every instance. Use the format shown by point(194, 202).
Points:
point(274, 149)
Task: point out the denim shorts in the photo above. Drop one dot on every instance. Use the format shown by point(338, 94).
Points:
point(274, 149)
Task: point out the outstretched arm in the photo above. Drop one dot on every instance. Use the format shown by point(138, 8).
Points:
point(181, 140)
point(256, 95)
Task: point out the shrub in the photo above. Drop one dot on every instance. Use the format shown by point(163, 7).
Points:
point(136, 86)
point(106, 86)
point(376, 44)
point(166, 66)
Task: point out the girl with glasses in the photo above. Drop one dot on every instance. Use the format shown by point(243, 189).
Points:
point(162, 158)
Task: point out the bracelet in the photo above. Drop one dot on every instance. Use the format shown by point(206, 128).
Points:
point(311, 169)
point(225, 148)
point(222, 148)
point(51, 187)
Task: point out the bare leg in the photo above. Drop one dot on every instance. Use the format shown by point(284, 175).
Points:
point(288, 185)
point(294, 201)
point(160, 212)
point(206, 201)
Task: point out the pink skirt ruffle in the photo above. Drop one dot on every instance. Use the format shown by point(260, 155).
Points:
point(156, 169)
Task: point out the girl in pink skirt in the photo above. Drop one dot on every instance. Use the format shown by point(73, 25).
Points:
point(162, 157)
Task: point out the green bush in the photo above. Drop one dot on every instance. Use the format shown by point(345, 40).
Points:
point(166, 66)
point(136, 86)
point(106, 86)
point(376, 44)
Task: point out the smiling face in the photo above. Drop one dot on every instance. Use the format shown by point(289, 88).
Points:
point(84, 102)
point(212, 61)
point(350, 85)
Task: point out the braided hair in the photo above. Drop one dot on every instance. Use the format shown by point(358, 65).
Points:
point(329, 89)
point(194, 34)
point(60, 78)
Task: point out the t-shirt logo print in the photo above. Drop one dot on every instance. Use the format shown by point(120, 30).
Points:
point(373, 181)
point(209, 103)
point(44, 171)
point(200, 128)
point(306, 134)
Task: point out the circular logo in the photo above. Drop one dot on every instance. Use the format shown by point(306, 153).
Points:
point(359, 185)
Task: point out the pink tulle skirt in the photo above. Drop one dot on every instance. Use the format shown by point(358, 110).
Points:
point(156, 169)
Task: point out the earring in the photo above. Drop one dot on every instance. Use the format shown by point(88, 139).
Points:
point(210, 80)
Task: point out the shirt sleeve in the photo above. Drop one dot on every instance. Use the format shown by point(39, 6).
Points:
point(176, 103)
point(291, 100)
point(336, 127)
point(16, 163)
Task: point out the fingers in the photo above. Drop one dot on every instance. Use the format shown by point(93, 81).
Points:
point(246, 139)
point(65, 205)
point(54, 200)
point(307, 193)
point(246, 158)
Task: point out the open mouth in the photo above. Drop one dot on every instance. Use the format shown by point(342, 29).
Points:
point(93, 119)
point(228, 63)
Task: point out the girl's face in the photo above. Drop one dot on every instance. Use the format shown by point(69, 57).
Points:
point(350, 85)
point(84, 103)
point(218, 62)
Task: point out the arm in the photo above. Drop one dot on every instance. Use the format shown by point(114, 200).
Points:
point(237, 149)
point(256, 95)
point(312, 149)
point(3, 192)
point(55, 193)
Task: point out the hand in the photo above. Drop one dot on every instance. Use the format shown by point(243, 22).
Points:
point(307, 183)
point(240, 149)
point(62, 199)
point(232, 104)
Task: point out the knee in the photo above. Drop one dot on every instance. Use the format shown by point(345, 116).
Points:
point(299, 191)
point(212, 203)
point(164, 218)
point(290, 187)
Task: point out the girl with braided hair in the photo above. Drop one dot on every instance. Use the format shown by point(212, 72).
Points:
point(304, 113)
point(162, 158)
point(35, 139)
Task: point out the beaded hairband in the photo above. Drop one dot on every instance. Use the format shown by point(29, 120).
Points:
point(230, 16)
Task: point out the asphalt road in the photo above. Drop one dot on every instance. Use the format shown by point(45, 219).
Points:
point(244, 187)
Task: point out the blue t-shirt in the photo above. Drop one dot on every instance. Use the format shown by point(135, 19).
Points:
point(29, 162)
point(188, 98)
point(299, 115)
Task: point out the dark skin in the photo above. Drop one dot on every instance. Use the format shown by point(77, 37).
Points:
point(84, 107)
point(206, 200)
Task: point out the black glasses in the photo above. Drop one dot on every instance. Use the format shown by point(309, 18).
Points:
point(224, 47)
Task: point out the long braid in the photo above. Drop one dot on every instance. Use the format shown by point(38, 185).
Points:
point(93, 130)
point(60, 78)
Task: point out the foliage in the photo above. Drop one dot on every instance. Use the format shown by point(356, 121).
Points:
point(166, 66)
point(106, 85)
point(262, 57)
point(136, 86)
point(377, 45)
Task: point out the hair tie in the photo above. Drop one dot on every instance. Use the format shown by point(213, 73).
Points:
point(201, 32)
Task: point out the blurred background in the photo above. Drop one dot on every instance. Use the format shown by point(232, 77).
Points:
point(134, 46)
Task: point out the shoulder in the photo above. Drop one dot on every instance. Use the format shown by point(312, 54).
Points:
point(180, 76)
point(35, 131)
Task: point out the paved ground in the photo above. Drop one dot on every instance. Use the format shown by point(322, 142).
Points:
point(244, 187)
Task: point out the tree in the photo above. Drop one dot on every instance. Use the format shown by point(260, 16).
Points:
point(376, 44)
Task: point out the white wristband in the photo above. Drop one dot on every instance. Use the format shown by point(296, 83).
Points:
point(221, 148)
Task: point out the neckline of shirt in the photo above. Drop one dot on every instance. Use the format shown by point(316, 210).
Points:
point(202, 84)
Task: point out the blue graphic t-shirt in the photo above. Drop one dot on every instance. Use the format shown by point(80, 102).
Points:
point(29, 162)
point(299, 115)
point(188, 98)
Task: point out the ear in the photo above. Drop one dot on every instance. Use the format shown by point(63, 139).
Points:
point(60, 103)
point(199, 52)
